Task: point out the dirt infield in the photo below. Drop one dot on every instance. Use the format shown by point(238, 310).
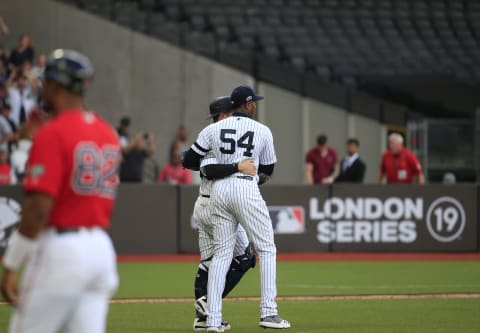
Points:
point(306, 298)
point(363, 256)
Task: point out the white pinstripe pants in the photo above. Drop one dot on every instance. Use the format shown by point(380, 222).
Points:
point(202, 213)
point(240, 200)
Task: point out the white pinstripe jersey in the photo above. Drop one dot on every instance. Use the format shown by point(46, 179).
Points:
point(235, 139)
point(205, 184)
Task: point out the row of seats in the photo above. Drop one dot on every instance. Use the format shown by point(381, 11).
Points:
point(342, 40)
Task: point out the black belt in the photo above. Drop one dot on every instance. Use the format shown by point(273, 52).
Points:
point(204, 196)
point(61, 231)
point(245, 177)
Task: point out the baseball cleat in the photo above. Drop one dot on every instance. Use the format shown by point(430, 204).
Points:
point(215, 329)
point(200, 324)
point(274, 322)
point(226, 325)
point(201, 305)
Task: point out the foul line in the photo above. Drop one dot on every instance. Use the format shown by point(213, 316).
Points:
point(159, 300)
point(304, 298)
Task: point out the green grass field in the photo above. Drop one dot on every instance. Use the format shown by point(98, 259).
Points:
point(157, 280)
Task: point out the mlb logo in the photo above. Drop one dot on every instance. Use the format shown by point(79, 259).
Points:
point(287, 219)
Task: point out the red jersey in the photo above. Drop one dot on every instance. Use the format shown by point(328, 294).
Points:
point(400, 168)
point(323, 166)
point(175, 174)
point(75, 159)
point(5, 174)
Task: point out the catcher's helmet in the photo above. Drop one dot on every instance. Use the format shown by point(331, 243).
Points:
point(220, 105)
point(70, 69)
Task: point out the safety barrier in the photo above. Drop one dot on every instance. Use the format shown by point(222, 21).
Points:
point(151, 219)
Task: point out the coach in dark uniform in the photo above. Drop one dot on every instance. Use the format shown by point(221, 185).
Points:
point(352, 168)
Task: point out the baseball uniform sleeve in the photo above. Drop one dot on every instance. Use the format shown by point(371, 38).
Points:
point(45, 167)
point(203, 143)
point(268, 156)
point(208, 159)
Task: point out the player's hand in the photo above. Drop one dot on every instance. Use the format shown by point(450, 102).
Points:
point(248, 167)
point(9, 286)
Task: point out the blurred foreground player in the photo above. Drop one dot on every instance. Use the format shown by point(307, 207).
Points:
point(70, 185)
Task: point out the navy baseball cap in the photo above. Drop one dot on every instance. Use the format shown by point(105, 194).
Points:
point(220, 105)
point(244, 94)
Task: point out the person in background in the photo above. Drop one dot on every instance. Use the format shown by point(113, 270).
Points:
point(321, 163)
point(179, 142)
point(7, 129)
point(449, 178)
point(37, 71)
point(22, 96)
point(19, 157)
point(123, 131)
point(6, 175)
point(399, 165)
point(174, 172)
point(23, 53)
point(134, 155)
point(352, 168)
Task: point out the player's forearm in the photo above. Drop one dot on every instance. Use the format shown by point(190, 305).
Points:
point(219, 171)
point(35, 213)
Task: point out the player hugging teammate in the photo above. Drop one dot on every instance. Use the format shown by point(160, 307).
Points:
point(235, 200)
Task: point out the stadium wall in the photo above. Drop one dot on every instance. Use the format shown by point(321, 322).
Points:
point(162, 86)
point(157, 219)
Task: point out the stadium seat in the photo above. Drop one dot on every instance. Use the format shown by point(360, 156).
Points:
point(338, 40)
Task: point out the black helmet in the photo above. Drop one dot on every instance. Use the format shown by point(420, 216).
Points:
point(220, 105)
point(70, 69)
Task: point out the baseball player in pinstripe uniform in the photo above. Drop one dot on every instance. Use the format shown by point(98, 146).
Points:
point(237, 198)
point(244, 259)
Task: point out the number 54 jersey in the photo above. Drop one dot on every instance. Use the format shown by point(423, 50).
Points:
point(75, 159)
point(235, 139)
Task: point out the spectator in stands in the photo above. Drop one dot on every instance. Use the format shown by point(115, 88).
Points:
point(19, 157)
point(22, 96)
point(179, 142)
point(39, 68)
point(23, 53)
point(352, 168)
point(134, 155)
point(122, 131)
point(7, 129)
point(174, 172)
point(6, 175)
point(321, 163)
point(3, 71)
point(399, 165)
